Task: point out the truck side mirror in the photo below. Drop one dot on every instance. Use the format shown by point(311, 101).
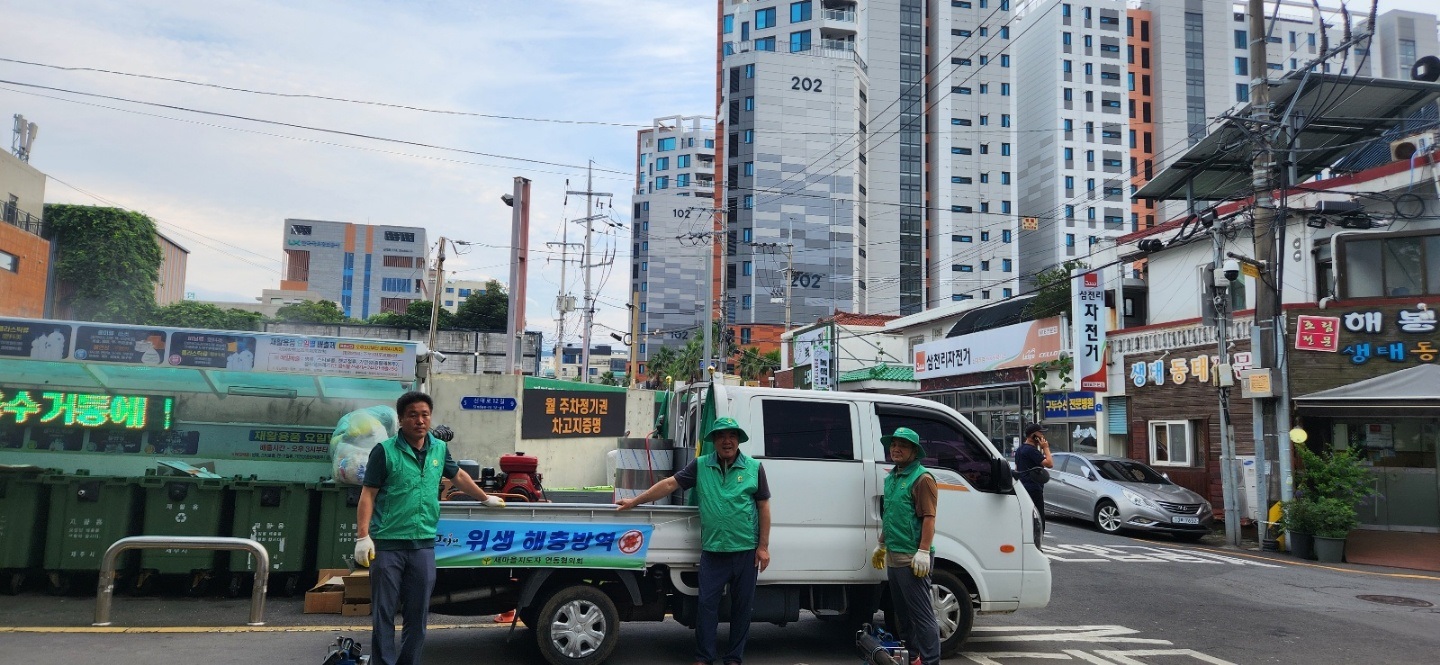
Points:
point(1001, 479)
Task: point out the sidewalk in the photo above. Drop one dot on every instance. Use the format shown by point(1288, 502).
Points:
point(1394, 549)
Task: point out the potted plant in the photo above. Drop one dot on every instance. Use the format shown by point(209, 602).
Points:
point(1333, 518)
point(1297, 520)
point(1329, 487)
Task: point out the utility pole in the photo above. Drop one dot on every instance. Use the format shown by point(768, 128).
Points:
point(1267, 291)
point(1224, 378)
point(789, 268)
point(589, 313)
point(519, 202)
point(564, 302)
point(435, 315)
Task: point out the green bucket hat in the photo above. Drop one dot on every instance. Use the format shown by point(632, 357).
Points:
point(722, 424)
point(906, 435)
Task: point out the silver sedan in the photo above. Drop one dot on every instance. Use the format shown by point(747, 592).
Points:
point(1118, 493)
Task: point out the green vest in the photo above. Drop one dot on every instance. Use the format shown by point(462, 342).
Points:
point(408, 506)
point(729, 521)
point(901, 525)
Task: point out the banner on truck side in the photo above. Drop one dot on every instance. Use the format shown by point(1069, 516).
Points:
point(462, 543)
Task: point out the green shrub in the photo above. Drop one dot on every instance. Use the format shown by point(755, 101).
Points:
point(1333, 518)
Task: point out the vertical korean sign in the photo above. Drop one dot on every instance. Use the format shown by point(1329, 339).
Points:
point(1087, 307)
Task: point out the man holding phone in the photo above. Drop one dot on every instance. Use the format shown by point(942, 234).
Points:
point(1032, 455)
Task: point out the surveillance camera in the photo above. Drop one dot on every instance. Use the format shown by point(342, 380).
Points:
point(508, 199)
point(437, 356)
point(1230, 270)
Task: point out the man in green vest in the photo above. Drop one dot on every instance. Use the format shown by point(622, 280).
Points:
point(396, 518)
point(905, 551)
point(734, 534)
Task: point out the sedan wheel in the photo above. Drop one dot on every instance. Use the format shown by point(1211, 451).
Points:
point(1107, 517)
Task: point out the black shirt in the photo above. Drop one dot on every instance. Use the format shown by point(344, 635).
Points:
point(1028, 457)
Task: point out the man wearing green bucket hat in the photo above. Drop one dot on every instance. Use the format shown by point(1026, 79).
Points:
point(906, 535)
point(734, 533)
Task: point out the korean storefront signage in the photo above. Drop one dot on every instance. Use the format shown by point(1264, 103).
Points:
point(1071, 405)
point(1177, 371)
point(1087, 309)
point(816, 349)
point(1019, 345)
point(203, 349)
point(1402, 335)
point(571, 414)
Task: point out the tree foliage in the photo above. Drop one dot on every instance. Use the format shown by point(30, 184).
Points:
point(416, 317)
point(755, 365)
point(193, 314)
point(1052, 291)
point(312, 311)
point(108, 262)
point(485, 311)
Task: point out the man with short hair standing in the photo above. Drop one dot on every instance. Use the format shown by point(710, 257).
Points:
point(1031, 460)
point(906, 544)
point(397, 515)
point(734, 534)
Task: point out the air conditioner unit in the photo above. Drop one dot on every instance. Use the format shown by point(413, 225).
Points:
point(1404, 149)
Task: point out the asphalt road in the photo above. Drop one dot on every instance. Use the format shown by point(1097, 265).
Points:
point(1116, 600)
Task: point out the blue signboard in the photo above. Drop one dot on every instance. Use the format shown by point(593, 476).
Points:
point(462, 543)
point(1071, 405)
point(476, 403)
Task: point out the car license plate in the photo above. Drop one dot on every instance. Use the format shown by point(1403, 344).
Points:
point(1186, 520)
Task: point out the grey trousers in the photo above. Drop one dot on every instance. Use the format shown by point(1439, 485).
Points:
point(910, 596)
point(400, 580)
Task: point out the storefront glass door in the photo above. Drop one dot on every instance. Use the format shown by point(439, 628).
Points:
point(1404, 464)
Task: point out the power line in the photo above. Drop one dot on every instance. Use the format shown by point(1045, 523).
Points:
point(271, 93)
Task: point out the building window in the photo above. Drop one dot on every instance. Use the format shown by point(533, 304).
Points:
point(746, 268)
point(745, 301)
point(1004, 60)
point(1005, 266)
point(665, 144)
point(1005, 236)
point(764, 18)
point(765, 44)
point(960, 90)
point(396, 284)
point(1170, 442)
point(1004, 119)
point(800, 41)
point(9, 262)
point(964, 238)
point(1005, 149)
point(1004, 89)
point(749, 103)
point(729, 24)
point(662, 182)
point(749, 168)
point(1397, 266)
point(959, 208)
point(748, 202)
point(965, 267)
point(985, 265)
point(1069, 240)
point(682, 180)
point(662, 163)
point(1005, 293)
point(1242, 40)
point(1004, 177)
point(961, 180)
point(1242, 92)
point(399, 236)
point(984, 236)
point(1005, 207)
point(960, 151)
point(963, 122)
point(800, 11)
point(644, 266)
point(749, 136)
point(300, 229)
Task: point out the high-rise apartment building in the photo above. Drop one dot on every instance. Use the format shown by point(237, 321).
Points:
point(1403, 38)
point(365, 269)
point(672, 217)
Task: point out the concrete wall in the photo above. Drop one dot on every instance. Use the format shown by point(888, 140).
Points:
point(486, 435)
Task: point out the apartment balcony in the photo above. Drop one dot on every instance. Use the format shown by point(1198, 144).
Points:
point(14, 216)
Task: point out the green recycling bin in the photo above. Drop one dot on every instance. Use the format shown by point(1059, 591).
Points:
point(277, 515)
point(87, 515)
point(24, 502)
point(335, 544)
point(182, 506)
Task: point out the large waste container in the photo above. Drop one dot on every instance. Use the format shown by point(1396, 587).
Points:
point(335, 531)
point(182, 506)
point(276, 515)
point(87, 515)
point(24, 502)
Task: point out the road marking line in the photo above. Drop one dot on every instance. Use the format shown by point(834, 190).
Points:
point(1129, 657)
point(1071, 634)
point(1410, 576)
point(221, 629)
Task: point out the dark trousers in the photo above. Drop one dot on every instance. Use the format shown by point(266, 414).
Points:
point(1037, 496)
point(718, 569)
point(400, 580)
point(910, 595)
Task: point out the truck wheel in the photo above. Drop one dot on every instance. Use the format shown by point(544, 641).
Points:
point(953, 610)
point(577, 626)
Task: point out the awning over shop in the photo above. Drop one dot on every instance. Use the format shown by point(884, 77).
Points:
point(882, 378)
point(1415, 388)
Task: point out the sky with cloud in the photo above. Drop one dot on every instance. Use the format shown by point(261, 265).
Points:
point(222, 186)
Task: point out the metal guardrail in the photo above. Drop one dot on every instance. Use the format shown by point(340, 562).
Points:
point(106, 587)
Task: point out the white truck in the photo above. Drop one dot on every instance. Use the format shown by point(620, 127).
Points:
point(574, 571)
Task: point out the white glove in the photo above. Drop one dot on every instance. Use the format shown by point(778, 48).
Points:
point(877, 558)
point(364, 551)
point(920, 565)
point(492, 501)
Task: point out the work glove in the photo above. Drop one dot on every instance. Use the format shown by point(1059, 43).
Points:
point(492, 501)
point(920, 564)
point(364, 551)
point(877, 558)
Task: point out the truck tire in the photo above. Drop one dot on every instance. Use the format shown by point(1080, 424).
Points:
point(953, 611)
point(577, 626)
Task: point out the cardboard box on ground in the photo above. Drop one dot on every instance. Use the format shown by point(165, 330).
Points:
point(328, 594)
point(356, 594)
